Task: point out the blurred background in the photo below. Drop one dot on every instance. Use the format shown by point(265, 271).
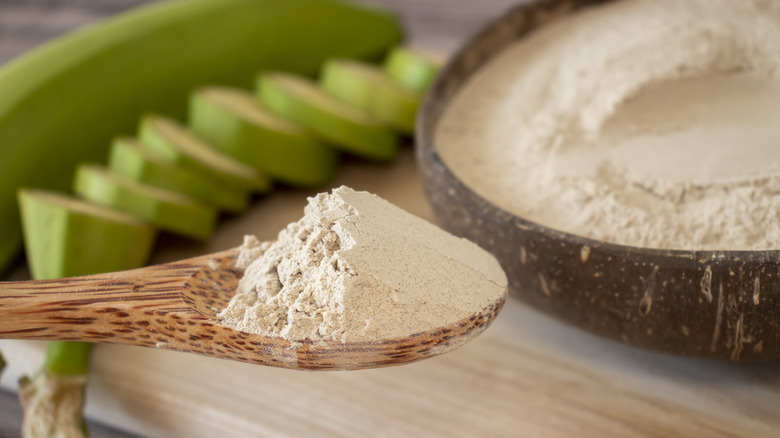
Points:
point(433, 24)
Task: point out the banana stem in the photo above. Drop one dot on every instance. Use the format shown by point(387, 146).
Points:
point(98, 240)
point(67, 358)
point(53, 399)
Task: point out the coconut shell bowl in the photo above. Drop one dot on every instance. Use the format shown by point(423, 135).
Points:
point(711, 304)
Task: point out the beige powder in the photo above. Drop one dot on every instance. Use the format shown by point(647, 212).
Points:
point(357, 268)
point(641, 122)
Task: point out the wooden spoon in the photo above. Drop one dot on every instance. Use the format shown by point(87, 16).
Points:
point(174, 306)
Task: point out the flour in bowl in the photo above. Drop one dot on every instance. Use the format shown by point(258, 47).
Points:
point(641, 122)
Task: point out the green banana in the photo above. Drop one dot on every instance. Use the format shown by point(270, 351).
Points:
point(66, 236)
point(370, 89)
point(168, 210)
point(339, 124)
point(177, 145)
point(64, 102)
point(235, 122)
point(414, 69)
point(131, 160)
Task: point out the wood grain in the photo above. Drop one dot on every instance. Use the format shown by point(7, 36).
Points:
point(526, 376)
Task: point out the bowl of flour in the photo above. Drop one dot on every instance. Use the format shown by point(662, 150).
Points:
point(621, 159)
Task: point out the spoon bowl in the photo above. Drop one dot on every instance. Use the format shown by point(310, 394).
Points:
point(174, 306)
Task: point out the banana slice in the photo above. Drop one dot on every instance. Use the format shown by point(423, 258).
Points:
point(414, 69)
point(176, 144)
point(129, 159)
point(65, 236)
point(370, 89)
point(336, 122)
point(167, 210)
point(234, 121)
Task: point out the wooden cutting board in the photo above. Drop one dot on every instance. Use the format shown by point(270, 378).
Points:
point(527, 375)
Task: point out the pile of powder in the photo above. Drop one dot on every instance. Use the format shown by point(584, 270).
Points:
point(641, 122)
point(357, 268)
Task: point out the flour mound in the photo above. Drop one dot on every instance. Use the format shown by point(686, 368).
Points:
point(356, 268)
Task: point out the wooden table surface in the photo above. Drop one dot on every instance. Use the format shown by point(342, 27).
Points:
point(528, 375)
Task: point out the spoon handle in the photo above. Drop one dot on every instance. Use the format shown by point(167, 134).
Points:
point(94, 307)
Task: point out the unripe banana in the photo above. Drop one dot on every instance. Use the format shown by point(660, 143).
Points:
point(369, 88)
point(235, 122)
point(131, 160)
point(177, 145)
point(339, 124)
point(66, 236)
point(167, 210)
point(63, 103)
point(414, 69)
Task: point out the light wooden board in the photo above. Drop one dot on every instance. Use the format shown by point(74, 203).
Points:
point(528, 375)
